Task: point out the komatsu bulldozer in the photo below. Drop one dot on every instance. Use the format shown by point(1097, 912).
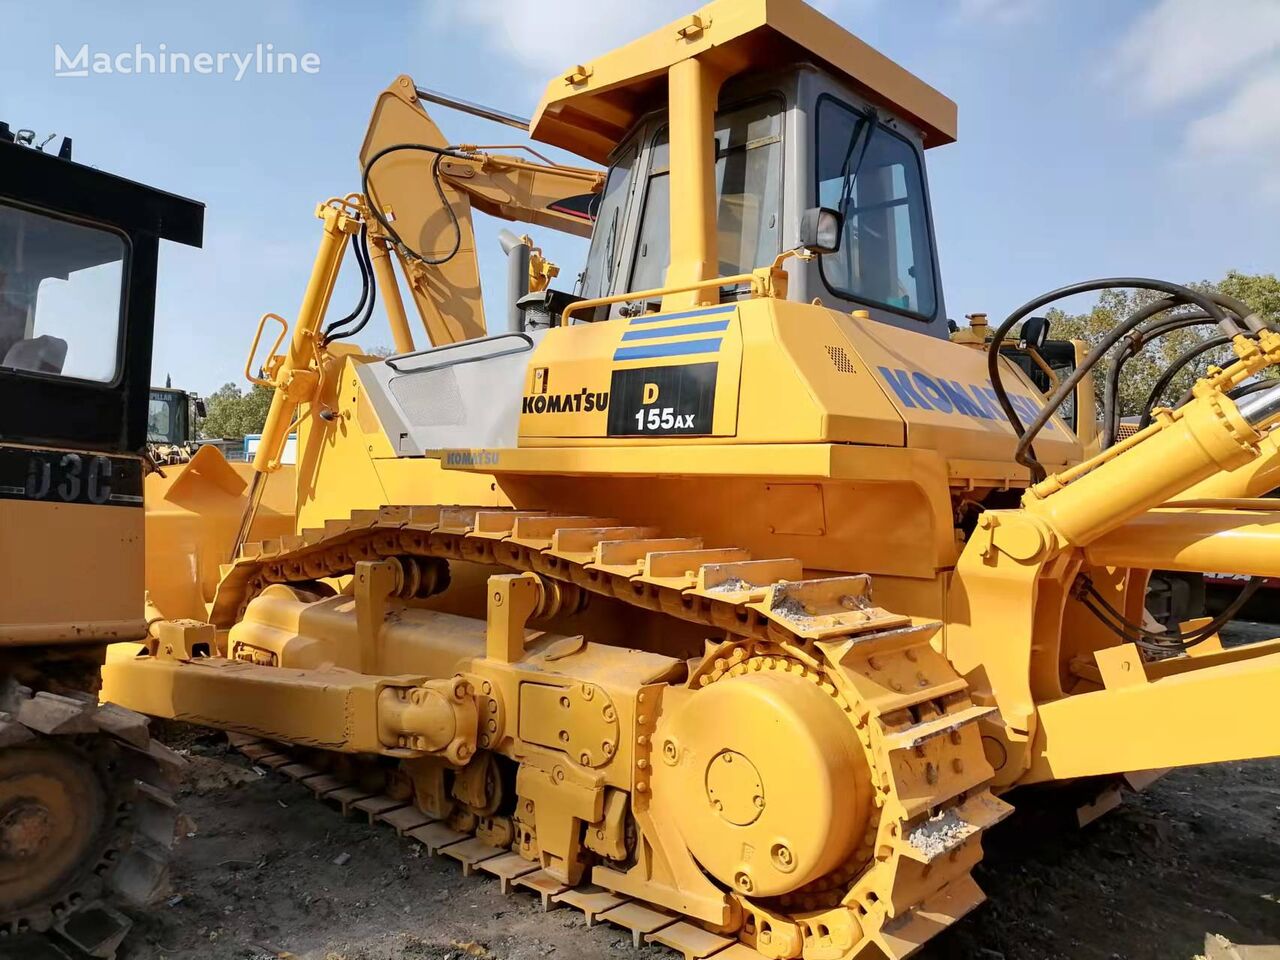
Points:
point(86, 816)
point(725, 597)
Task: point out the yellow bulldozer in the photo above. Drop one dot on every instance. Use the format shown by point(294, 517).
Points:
point(724, 597)
point(87, 819)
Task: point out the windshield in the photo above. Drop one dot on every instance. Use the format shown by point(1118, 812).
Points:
point(167, 417)
point(61, 285)
point(885, 256)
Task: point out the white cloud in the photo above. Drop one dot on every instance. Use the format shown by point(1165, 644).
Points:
point(1245, 130)
point(1181, 49)
point(1214, 66)
point(1249, 121)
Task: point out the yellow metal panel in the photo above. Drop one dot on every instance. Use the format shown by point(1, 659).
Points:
point(192, 514)
point(806, 374)
point(807, 381)
point(332, 709)
point(65, 567)
point(671, 488)
point(1195, 540)
point(1219, 712)
point(942, 391)
point(570, 384)
point(589, 107)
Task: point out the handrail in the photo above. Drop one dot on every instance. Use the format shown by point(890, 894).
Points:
point(461, 343)
point(253, 349)
point(770, 281)
point(651, 294)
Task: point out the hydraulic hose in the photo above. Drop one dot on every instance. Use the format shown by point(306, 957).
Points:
point(368, 295)
point(1156, 641)
point(1138, 339)
point(1025, 454)
point(1171, 371)
point(1145, 335)
point(360, 248)
point(440, 153)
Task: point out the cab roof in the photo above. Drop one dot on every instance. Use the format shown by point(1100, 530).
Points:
point(592, 105)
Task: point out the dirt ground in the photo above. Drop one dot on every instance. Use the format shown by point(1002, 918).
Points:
point(262, 876)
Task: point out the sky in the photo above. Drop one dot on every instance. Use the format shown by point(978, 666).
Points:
point(1096, 138)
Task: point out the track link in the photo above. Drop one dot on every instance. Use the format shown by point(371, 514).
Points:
point(130, 850)
point(911, 711)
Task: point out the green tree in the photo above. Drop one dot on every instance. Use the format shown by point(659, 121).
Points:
point(1140, 374)
point(232, 413)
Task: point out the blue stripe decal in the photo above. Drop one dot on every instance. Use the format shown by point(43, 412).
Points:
point(708, 312)
point(711, 326)
point(679, 349)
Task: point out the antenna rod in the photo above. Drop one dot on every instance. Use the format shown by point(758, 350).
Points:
point(475, 109)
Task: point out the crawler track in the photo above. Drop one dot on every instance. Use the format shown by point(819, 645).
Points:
point(910, 877)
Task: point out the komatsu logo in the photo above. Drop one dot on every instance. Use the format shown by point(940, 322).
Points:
point(920, 390)
point(584, 401)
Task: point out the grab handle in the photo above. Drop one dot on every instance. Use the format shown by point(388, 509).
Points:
point(253, 350)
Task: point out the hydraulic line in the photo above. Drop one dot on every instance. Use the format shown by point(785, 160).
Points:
point(1137, 340)
point(1158, 641)
point(1025, 454)
point(359, 247)
point(1171, 371)
point(368, 295)
point(1143, 336)
point(440, 153)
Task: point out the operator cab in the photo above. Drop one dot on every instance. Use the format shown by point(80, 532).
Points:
point(171, 415)
point(846, 154)
point(77, 290)
point(820, 121)
point(60, 291)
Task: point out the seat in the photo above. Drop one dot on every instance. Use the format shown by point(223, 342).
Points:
point(43, 354)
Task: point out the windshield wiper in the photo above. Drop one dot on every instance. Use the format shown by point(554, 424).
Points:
point(866, 121)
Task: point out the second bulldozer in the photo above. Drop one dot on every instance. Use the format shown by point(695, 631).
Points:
point(723, 598)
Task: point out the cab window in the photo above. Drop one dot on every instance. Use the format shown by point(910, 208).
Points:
point(606, 236)
point(61, 290)
point(748, 191)
point(166, 417)
point(872, 175)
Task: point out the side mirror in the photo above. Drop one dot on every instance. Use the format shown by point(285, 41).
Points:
point(202, 410)
point(820, 230)
point(1035, 331)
